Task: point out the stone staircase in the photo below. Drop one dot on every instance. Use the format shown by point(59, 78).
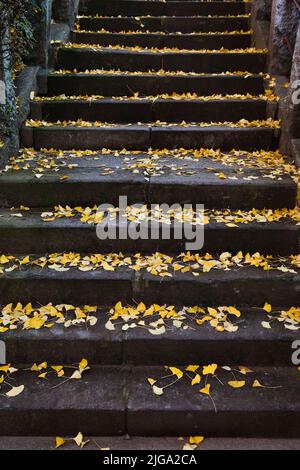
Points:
point(164, 102)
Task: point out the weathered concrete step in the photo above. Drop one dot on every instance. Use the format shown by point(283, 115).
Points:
point(208, 62)
point(184, 24)
point(185, 41)
point(150, 84)
point(143, 136)
point(115, 401)
point(247, 286)
point(35, 235)
point(149, 443)
point(246, 412)
point(158, 8)
point(250, 344)
point(98, 178)
point(93, 401)
point(147, 110)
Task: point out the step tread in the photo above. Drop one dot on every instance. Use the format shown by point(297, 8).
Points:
point(150, 443)
point(99, 49)
point(33, 219)
point(82, 32)
point(91, 99)
point(203, 173)
point(30, 270)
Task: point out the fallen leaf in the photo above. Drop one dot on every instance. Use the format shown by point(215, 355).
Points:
point(59, 442)
point(177, 372)
point(236, 383)
point(157, 390)
point(267, 308)
point(15, 391)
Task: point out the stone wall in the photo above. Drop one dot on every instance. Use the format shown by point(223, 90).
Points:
point(64, 11)
point(283, 31)
point(290, 107)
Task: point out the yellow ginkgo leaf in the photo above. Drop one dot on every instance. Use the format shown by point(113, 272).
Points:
point(256, 384)
point(267, 307)
point(244, 370)
point(151, 381)
point(236, 383)
point(196, 380)
point(177, 372)
point(234, 311)
point(57, 368)
point(192, 368)
point(209, 369)
point(59, 441)
point(43, 375)
point(205, 390)
point(83, 364)
point(196, 440)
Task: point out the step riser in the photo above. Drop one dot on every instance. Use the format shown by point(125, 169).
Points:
point(189, 62)
point(99, 287)
point(166, 25)
point(138, 111)
point(156, 40)
point(46, 239)
point(135, 8)
point(47, 422)
point(105, 348)
point(248, 139)
point(107, 85)
point(250, 424)
point(240, 196)
point(93, 191)
point(143, 137)
point(172, 422)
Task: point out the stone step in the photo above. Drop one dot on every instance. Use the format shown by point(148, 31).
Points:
point(116, 401)
point(130, 110)
point(250, 344)
point(245, 412)
point(148, 443)
point(248, 286)
point(82, 58)
point(102, 179)
point(184, 41)
point(159, 8)
point(114, 84)
point(131, 136)
point(168, 24)
point(35, 235)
